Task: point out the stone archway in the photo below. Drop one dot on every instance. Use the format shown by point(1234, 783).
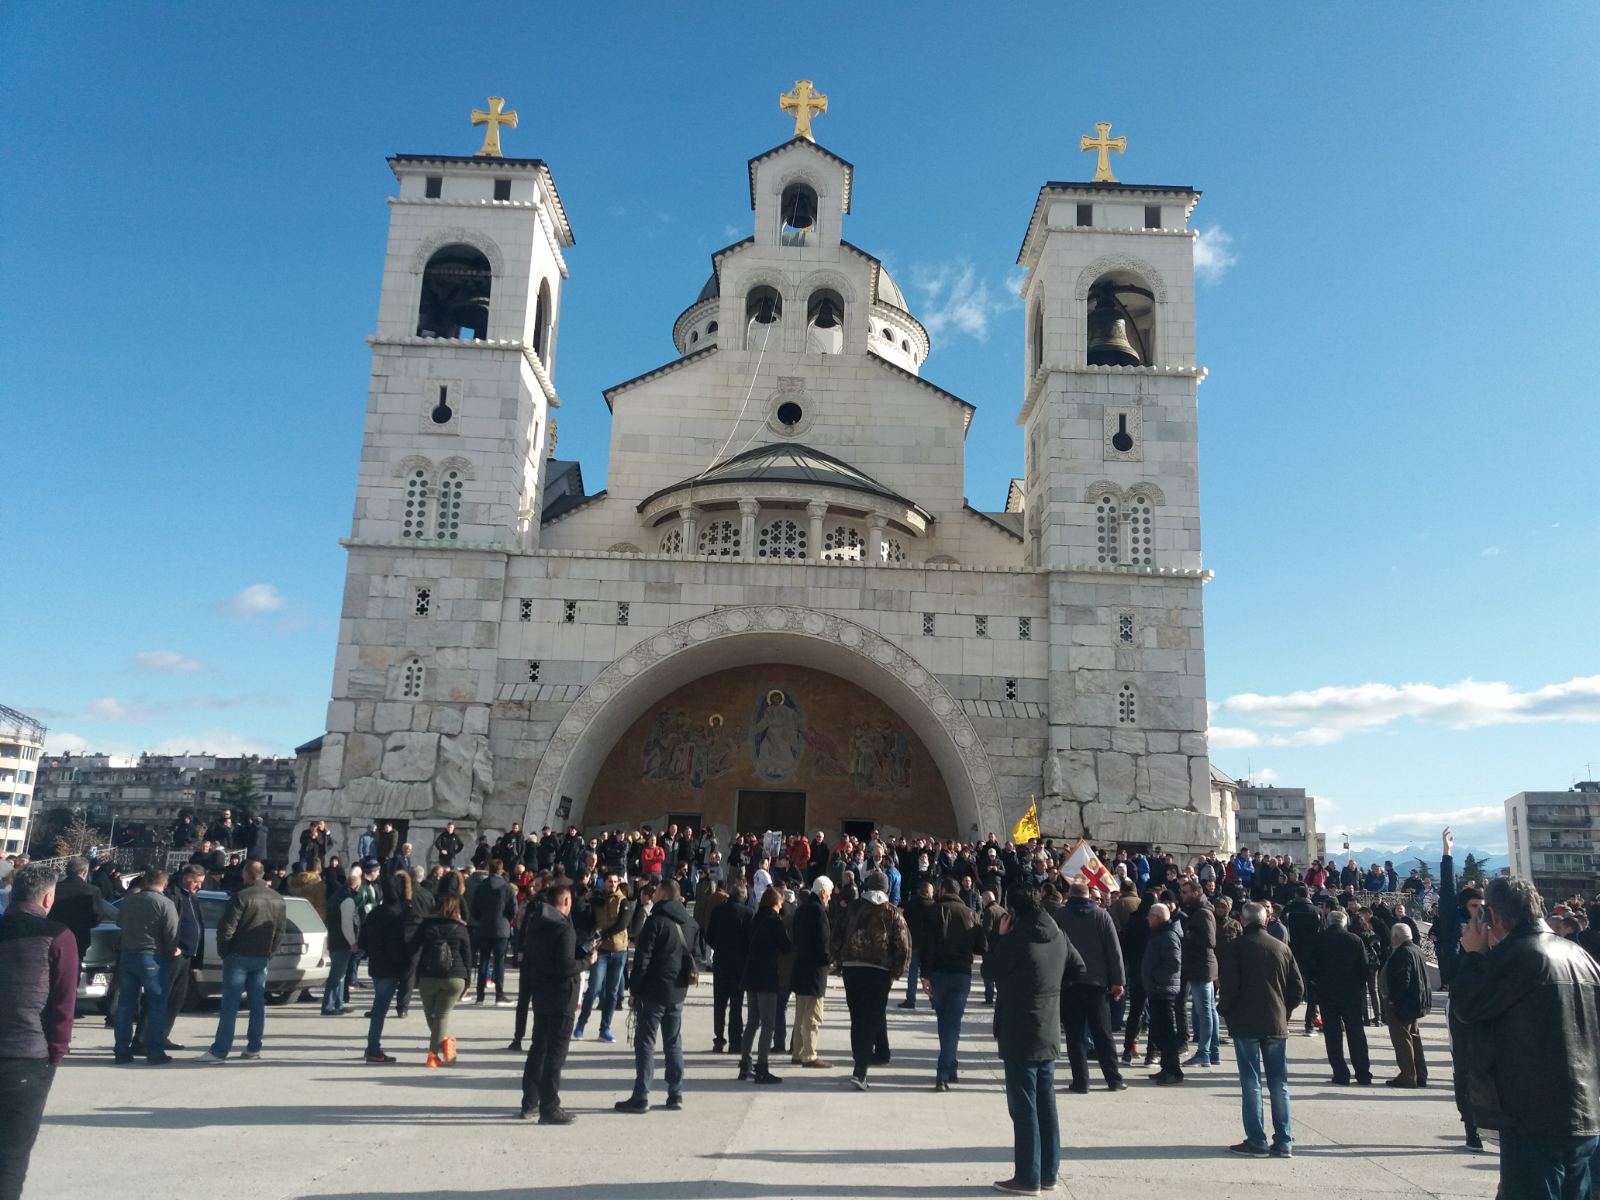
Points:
point(733, 637)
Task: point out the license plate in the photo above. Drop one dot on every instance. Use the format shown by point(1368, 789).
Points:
point(99, 981)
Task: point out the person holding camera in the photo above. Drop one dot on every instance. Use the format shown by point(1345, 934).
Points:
point(612, 911)
point(663, 971)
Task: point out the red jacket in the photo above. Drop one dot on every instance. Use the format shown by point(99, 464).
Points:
point(652, 860)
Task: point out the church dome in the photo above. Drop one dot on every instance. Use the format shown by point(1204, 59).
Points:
point(889, 292)
point(711, 290)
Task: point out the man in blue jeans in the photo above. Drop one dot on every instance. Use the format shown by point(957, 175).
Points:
point(1260, 987)
point(148, 922)
point(383, 940)
point(1028, 963)
point(611, 914)
point(247, 938)
point(1200, 973)
point(955, 938)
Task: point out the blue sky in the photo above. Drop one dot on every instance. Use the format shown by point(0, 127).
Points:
point(1398, 433)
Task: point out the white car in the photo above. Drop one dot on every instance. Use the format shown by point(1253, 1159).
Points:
point(301, 960)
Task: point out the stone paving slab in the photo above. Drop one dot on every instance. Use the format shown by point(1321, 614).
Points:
point(311, 1121)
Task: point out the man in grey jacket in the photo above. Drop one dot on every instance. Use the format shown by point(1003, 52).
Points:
point(1086, 1003)
point(247, 938)
point(149, 925)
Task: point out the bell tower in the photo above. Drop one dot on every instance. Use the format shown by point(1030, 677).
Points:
point(1111, 508)
point(459, 412)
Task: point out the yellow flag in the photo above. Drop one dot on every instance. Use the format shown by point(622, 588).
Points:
point(1027, 828)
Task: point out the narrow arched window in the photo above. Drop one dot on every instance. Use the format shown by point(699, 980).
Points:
point(448, 525)
point(1139, 519)
point(720, 539)
point(672, 541)
point(1127, 706)
point(1107, 532)
point(1037, 334)
point(891, 551)
point(825, 323)
point(413, 676)
point(541, 324)
point(455, 295)
point(418, 495)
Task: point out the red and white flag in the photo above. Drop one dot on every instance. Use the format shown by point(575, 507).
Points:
point(1083, 861)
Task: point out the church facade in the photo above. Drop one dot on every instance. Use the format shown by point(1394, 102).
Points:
point(782, 612)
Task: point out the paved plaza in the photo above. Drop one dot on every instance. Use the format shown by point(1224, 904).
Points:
point(311, 1120)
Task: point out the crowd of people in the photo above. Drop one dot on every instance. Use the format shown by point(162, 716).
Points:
point(1179, 958)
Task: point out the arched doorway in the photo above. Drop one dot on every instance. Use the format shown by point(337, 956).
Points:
point(764, 636)
point(771, 746)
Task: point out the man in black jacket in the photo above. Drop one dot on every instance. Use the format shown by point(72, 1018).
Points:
point(447, 845)
point(728, 935)
point(1530, 1003)
point(663, 969)
point(1304, 924)
point(1339, 968)
point(1085, 1005)
point(550, 953)
point(494, 904)
point(79, 904)
point(809, 973)
point(383, 941)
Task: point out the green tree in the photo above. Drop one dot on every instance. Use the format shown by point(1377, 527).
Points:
point(1424, 869)
point(241, 795)
point(1472, 872)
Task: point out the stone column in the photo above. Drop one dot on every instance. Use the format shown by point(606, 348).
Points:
point(747, 528)
point(876, 524)
point(689, 515)
point(817, 510)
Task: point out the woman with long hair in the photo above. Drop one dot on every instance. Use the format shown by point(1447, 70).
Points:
point(769, 940)
point(444, 965)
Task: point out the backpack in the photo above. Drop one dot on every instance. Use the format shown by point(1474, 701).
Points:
point(1374, 959)
point(437, 958)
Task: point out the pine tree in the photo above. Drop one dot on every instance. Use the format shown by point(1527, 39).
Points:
point(240, 795)
point(1472, 872)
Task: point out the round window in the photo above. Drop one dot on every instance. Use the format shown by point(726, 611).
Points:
point(790, 413)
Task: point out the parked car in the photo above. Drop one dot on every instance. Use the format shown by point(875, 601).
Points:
point(302, 956)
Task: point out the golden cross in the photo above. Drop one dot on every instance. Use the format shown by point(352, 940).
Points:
point(804, 102)
point(1104, 144)
point(494, 118)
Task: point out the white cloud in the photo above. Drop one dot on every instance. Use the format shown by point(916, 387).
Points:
point(1322, 716)
point(257, 598)
point(1221, 738)
point(62, 742)
point(1492, 552)
point(1265, 776)
point(217, 741)
point(957, 298)
point(109, 708)
point(166, 662)
point(1213, 254)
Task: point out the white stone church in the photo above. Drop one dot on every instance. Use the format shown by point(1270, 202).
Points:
point(782, 611)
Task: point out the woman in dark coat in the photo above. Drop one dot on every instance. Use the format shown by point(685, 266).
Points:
point(768, 940)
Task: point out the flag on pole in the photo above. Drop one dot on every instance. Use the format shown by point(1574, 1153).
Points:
point(1027, 829)
point(1083, 861)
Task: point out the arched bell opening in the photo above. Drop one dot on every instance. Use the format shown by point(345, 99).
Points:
point(1121, 322)
point(763, 309)
point(797, 210)
point(825, 322)
point(541, 324)
point(456, 287)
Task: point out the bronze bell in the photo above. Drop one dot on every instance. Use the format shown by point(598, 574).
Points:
point(827, 316)
point(1108, 332)
point(471, 312)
